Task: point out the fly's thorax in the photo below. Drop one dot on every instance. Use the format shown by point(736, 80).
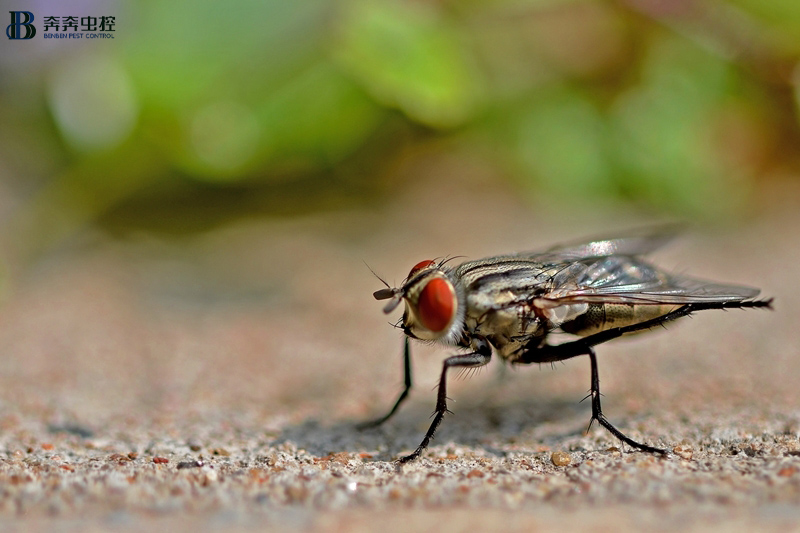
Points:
point(434, 304)
point(507, 329)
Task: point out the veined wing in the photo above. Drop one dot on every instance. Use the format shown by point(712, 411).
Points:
point(631, 280)
point(633, 244)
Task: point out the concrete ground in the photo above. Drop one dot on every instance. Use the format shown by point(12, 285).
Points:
point(213, 382)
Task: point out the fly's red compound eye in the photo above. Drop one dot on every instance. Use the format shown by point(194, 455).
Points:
point(436, 305)
point(419, 266)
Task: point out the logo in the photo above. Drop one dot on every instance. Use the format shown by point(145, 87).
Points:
point(14, 30)
point(61, 27)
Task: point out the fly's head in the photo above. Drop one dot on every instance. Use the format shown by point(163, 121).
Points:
point(434, 303)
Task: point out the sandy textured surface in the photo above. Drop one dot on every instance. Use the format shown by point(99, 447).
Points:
point(213, 382)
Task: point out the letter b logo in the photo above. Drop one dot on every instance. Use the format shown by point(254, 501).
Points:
point(14, 30)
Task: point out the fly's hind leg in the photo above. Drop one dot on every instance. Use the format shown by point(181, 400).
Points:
point(545, 353)
point(537, 352)
point(597, 412)
point(551, 354)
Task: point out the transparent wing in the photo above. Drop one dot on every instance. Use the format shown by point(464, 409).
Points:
point(637, 243)
point(631, 280)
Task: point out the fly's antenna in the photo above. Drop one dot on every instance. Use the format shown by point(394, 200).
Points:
point(377, 276)
point(396, 295)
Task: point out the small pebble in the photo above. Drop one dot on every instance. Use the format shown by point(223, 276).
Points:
point(560, 458)
point(683, 451)
point(341, 458)
point(160, 460)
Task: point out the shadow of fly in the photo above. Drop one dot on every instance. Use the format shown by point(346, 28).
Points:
point(510, 304)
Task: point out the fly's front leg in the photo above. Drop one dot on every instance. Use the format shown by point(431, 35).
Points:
point(403, 395)
point(481, 356)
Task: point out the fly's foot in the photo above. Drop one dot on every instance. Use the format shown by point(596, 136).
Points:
point(370, 424)
point(603, 421)
point(410, 457)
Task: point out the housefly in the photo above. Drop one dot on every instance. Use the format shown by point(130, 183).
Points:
point(510, 304)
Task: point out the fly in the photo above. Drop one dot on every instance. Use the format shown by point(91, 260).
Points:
point(509, 305)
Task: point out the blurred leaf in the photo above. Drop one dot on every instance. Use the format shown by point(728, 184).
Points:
point(563, 144)
point(315, 120)
point(320, 117)
point(91, 115)
point(409, 57)
point(663, 134)
point(185, 51)
point(781, 15)
point(223, 137)
point(245, 90)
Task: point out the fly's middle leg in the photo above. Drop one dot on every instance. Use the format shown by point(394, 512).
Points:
point(480, 357)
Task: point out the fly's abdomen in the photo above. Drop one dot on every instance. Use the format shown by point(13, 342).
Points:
point(603, 316)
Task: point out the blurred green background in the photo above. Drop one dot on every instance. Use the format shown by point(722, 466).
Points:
point(200, 112)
